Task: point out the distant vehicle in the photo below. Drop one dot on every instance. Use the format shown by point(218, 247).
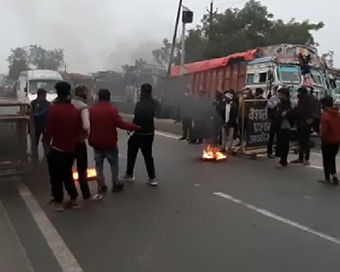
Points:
point(30, 81)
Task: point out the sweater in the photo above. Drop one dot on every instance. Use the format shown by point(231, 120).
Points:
point(104, 120)
point(330, 126)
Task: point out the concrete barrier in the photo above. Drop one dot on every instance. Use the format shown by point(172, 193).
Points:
point(164, 125)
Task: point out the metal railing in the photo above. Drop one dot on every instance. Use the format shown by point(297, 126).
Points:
point(15, 148)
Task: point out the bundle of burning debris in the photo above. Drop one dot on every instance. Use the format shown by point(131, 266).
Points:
point(213, 154)
point(91, 174)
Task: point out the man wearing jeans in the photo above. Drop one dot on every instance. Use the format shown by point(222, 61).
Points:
point(104, 120)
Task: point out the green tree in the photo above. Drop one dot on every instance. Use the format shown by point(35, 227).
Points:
point(18, 62)
point(46, 59)
point(137, 67)
point(237, 30)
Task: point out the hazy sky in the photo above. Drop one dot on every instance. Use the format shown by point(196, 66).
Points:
point(104, 34)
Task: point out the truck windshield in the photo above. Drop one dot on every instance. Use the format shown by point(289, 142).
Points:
point(316, 78)
point(289, 74)
point(48, 85)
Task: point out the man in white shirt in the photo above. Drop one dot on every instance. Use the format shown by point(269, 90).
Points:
point(79, 102)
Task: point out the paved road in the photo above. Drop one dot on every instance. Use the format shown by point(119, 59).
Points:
point(239, 215)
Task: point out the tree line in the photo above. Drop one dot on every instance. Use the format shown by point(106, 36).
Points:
point(236, 30)
point(34, 56)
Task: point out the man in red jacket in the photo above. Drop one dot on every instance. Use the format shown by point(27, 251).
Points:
point(330, 138)
point(104, 120)
point(61, 136)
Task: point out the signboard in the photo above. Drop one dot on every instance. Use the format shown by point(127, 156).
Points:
point(257, 123)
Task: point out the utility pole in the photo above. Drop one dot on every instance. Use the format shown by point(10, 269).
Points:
point(211, 17)
point(173, 45)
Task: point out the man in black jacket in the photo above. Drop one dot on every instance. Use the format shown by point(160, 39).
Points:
point(305, 114)
point(143, 139)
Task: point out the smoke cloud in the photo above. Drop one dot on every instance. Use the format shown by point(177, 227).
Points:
point(95, 34)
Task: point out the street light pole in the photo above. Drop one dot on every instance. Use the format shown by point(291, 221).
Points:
point(174, 36)
point(183, 44)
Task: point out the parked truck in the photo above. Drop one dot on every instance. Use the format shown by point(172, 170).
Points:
point(266, 67)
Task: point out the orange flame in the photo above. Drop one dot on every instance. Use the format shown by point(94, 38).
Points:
point(91, 174)
point(213, 153)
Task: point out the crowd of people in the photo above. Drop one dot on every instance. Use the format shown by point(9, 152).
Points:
point(221, 122)
point(67, 123)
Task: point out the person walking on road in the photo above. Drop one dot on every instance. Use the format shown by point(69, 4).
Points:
point(40, 108)
point(330, 139)
point(104, 121)
point(62, 131)
point(305, 114)
point(143, 139)
point(80, 154)
point(283, 124)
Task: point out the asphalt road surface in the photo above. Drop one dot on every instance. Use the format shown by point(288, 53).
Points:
point(239, 215)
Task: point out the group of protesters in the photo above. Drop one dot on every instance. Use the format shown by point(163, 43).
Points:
point(222, 122)
point(68, 123)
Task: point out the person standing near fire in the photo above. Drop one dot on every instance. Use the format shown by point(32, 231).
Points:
point(62, 133)
point(305, 114)
point(80, 154)
point(330, 139)
point(230, 121)
point(184, 117)
point(104, 121)
point(283, 123)
point(40, 108)
point(143, 139)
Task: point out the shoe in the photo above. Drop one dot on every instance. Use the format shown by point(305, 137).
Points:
point(57, 206)
point(128, 178)
point(72, 204)
point(335, 181)
point(117, 188)
point(152, 182)
point(182, 139)
point(271, 156)
point(100, 194)
point(280, 166)
point(306, 163)
point(324, 181)
point(298, 161)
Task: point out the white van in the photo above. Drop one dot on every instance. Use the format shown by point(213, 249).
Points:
point(30, 81)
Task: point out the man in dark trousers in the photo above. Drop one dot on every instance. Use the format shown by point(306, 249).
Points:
point(284, 125)
point(104, 121)
point(306, 112)
point(185, 117)
point(80, 154)
point(330, 138)
point(144, 117)
point(40, 109)
point(62, 131)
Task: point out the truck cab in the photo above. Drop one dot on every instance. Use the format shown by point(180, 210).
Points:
point(283, 68)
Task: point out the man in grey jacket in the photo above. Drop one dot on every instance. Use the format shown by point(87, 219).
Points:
point(80, 154)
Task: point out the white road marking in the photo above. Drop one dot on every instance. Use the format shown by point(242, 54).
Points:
point(279, 218)
point(316, 167)
point(167, 135)
point(62, 253)
point(3, 210)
